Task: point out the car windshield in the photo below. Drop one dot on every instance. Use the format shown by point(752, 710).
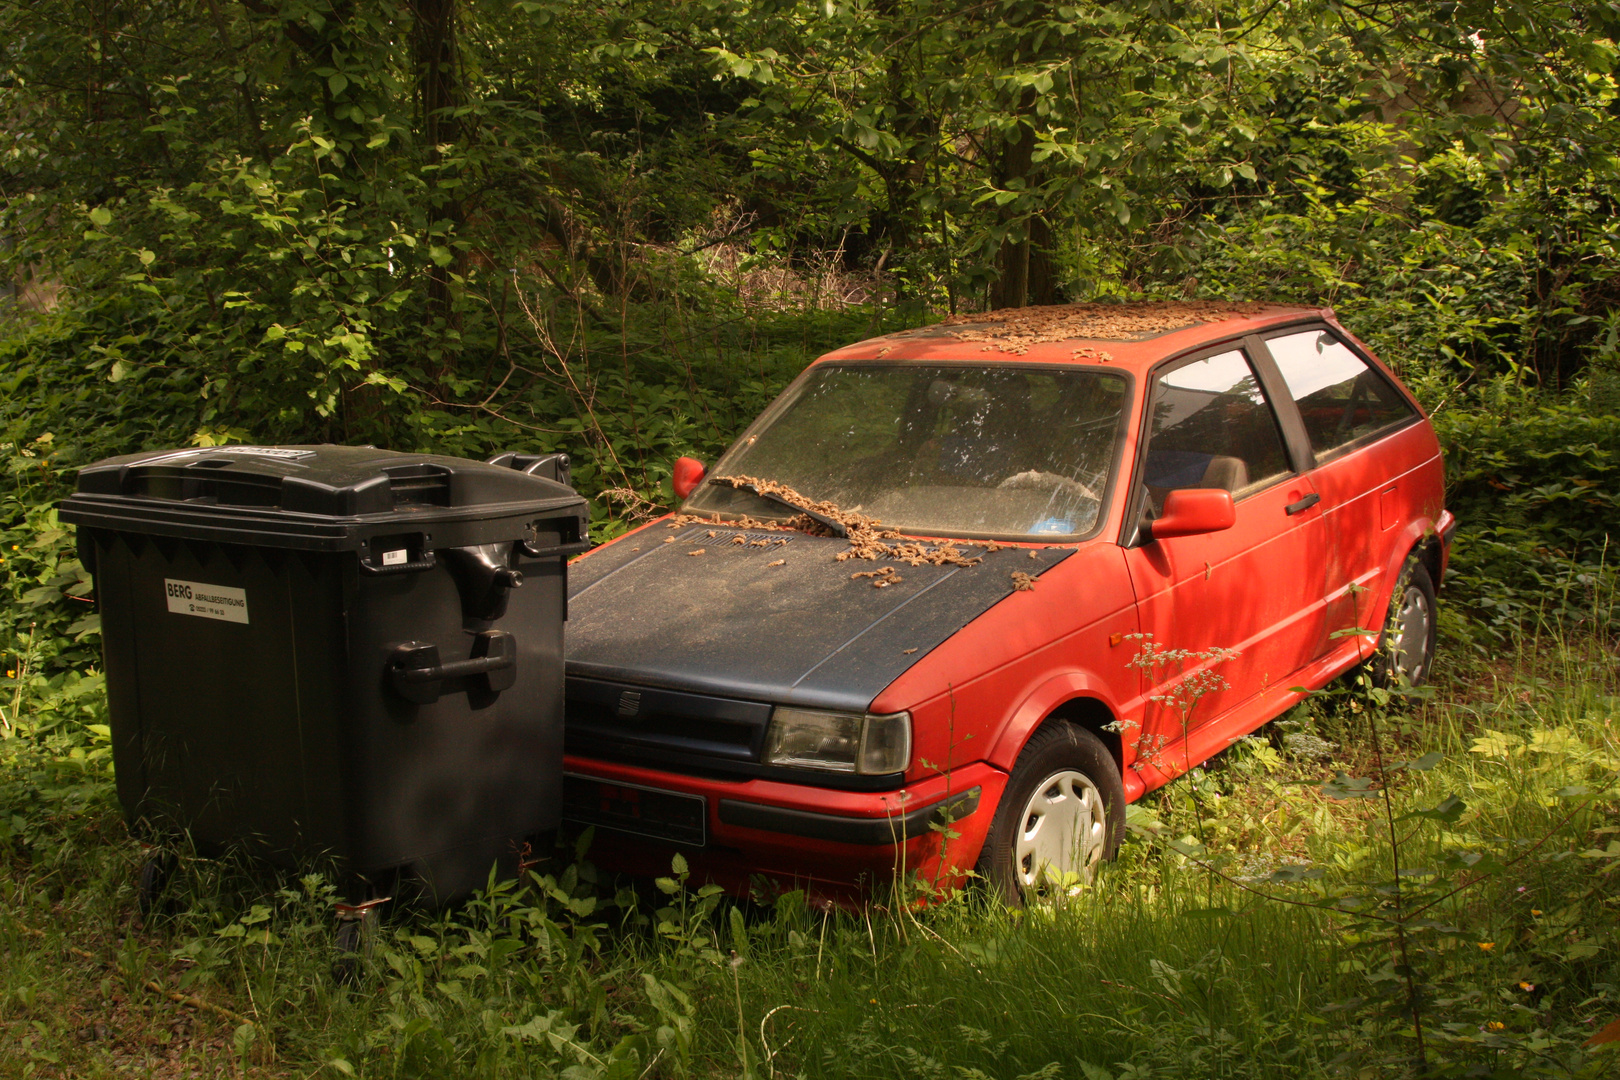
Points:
point(937, 450)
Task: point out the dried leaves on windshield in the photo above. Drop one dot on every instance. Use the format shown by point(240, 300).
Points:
point(867, 538)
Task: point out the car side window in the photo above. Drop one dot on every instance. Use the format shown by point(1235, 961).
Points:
point(1340, 396)
point(1212, 427)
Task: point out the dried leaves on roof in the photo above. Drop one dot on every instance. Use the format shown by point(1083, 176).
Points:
point(1014, 330)
point(867, 538)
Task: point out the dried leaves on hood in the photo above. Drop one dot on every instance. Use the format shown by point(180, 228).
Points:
point(881, 579)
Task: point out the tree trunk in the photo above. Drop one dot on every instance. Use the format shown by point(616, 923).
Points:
point(438, 88)
point(1041, 268)
point(437, 71)
point(1017, 157)
point(1027, 274)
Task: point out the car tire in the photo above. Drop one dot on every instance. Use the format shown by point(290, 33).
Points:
point(1064, 783)
point(1406, 644)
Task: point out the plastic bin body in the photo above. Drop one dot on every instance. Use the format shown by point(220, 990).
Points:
point(250, 656)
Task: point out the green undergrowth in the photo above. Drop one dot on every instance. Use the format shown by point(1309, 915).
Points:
point(623, 402)
point(1279, 945)
point(1376, 885)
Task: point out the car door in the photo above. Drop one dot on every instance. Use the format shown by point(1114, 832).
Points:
point(1256, 588)
point(1346, 407)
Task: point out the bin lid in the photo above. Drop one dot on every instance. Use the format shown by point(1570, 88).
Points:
point(320, 498)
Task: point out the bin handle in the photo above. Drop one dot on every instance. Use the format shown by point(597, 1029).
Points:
point(416, 674)
point(538, 551)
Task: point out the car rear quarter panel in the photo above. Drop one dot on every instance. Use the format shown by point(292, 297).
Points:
point(978, 696)
point(1382, 500)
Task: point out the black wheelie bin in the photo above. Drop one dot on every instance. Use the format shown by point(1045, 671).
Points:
point(334, 652)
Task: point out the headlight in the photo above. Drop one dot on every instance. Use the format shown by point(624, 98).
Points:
point(839, 742)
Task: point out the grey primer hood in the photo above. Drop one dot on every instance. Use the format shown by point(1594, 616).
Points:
point(727, 623)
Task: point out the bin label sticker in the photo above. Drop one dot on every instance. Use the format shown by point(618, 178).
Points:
point(395, 557)
point(264, 451)
point(207, 601)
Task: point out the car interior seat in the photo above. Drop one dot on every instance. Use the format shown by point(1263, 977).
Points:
point(1225, 472)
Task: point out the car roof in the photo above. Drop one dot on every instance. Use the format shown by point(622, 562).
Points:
point(1127, 336)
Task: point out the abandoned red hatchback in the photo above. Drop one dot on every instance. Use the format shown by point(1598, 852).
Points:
point(937, 579)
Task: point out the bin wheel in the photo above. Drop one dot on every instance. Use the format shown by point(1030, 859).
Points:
point(150, 881)
point(353, 941)
point(350, 943)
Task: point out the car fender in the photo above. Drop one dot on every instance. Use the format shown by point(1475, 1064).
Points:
point(1037, 705)
point(623, 536)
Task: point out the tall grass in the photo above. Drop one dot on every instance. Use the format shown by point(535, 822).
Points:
point(1269, 951)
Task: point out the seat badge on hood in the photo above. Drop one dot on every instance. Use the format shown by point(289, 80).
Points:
point(630, 703)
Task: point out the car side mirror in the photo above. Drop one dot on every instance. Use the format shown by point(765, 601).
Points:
point(1190, 511)
point(687, 475)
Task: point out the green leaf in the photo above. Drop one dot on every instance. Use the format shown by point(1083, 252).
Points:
point(337, 83)
point(1344, 786)
point(1495, 744)
point(1447, 810)
point(1189, 847)
point(101, 216)
point(1141, 821)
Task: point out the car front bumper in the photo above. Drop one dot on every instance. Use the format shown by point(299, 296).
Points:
point(834, 844)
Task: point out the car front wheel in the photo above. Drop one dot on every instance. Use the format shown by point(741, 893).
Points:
point(1063, 813)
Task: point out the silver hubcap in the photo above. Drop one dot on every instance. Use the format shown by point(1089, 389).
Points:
point(1409, 647)
point(1061, 833)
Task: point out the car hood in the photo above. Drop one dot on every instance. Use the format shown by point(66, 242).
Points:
point(770, 616)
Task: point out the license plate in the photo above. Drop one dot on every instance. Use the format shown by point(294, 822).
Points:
point(632, 808)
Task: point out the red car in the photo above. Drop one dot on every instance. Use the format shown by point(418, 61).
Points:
point(1008, 573)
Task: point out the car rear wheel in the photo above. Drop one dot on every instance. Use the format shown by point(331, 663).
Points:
point(1062, 814)
point(1406, 646)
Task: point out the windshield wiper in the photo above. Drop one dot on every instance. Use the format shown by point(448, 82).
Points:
point(838, 527)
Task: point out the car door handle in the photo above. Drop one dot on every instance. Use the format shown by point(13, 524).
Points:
point(1304, 504)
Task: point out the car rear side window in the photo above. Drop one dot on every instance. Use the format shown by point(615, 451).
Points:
point(1340, 397)
point(1212, 428)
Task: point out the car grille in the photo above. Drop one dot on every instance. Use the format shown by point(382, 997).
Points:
point(611, 719)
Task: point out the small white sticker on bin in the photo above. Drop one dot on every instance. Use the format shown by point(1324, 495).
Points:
point(206, 601)
point(395, 557)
